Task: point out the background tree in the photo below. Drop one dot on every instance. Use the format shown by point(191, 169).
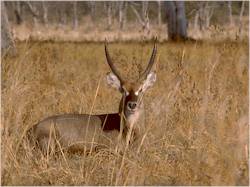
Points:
point(109, 14)
point(17, 11)
point(7, 43)
point(122, 14)
point(45, 13)
point(204, 13)
point(75, 20)
point(176, 20)
point(129, 17)
point(142, 16)
point(231, 23)
point(159, 13)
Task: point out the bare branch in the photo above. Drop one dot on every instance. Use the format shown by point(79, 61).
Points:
point(32, 9)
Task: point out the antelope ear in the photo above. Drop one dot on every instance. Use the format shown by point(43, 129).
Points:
point(113, 81)
point(150, 80)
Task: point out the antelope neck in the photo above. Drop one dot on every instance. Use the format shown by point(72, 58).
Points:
point(111, 121)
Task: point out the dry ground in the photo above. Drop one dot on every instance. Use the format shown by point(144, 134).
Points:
point(197, 113)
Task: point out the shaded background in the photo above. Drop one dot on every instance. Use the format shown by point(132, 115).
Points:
point(126, 20)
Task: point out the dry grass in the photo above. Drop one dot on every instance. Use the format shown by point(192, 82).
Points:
point(197, 111)
point(97, 31)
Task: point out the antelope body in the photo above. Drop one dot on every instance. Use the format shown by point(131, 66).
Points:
point(84, 131)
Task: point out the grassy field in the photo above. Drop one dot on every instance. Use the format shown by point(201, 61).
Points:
point(197, 113)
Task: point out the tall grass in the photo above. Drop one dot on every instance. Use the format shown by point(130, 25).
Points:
point(197, 113)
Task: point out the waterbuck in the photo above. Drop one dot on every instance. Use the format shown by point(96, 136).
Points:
point(84, 131)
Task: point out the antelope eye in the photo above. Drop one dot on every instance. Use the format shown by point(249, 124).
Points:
point(126, 92)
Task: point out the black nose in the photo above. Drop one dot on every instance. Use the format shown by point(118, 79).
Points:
point(132, 105)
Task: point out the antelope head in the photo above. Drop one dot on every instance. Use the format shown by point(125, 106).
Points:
point(131, 104)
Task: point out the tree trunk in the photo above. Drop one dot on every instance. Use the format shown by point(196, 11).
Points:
point(240, 18)
point(7, 42)
point(181, 20)
point(17, 12)
point(125, 13)
point(62, 14)
point(45, 13)
point(75, 21)
point(229, 4)
point(201, 17)
point(137, 14)
point(159, 13)
point(109, 14)
point(143, 17)
point(144, 9)
point(176, 20)
point(196, 20)
point(33, 12)
point(242, 11)
point(121, 14)
point(171, 20)
point(32, 9)
point(92, 10)
point(209, 10)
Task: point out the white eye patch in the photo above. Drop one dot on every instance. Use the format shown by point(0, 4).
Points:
point(138, 91)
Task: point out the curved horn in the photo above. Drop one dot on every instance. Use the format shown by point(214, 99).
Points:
point(111, 65)
point(151, 61)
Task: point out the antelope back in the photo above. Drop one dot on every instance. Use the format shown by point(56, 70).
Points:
point(77, 131)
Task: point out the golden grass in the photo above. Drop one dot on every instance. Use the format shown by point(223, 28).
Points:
point(197, 111)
